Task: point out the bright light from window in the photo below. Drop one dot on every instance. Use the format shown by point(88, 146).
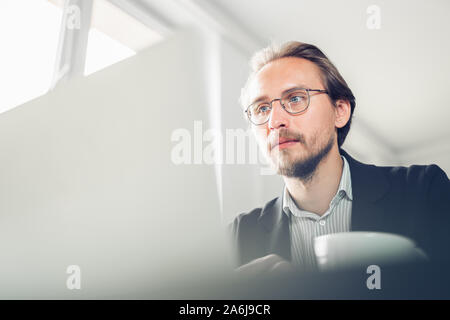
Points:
point(103, 51)
point(29, 31)
point(114, 36)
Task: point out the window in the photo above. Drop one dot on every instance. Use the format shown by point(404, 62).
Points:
point(114, 36)
point(30, 32)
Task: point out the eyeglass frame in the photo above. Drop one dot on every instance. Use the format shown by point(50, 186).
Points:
point(283, 106)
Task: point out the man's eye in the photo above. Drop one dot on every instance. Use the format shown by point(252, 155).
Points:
point(262, 109)
point(295, 99)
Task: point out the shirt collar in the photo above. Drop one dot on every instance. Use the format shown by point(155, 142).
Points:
point(345, 185)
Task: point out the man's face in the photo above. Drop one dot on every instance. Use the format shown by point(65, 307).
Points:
point(311, 134)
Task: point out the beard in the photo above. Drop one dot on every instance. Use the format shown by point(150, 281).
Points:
point(304, 168)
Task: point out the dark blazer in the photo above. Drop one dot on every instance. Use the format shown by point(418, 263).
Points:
point(411, 201)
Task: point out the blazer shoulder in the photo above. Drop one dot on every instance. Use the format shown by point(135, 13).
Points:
point(248, 238)
point(250, 218)
point(415, 171)
point(417, 176)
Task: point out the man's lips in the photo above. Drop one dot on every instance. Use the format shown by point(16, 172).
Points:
point(285, 143)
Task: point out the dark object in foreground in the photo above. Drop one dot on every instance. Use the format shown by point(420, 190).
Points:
point(418, 281)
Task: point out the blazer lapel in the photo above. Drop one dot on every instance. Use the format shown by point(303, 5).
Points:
point(369, 185)
point(276, 225)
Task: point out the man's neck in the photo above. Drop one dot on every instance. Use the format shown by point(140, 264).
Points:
point(316, 194)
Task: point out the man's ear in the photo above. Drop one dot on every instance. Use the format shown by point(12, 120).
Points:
point(342, 112)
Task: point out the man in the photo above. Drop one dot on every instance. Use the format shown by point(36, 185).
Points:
point(300, 109)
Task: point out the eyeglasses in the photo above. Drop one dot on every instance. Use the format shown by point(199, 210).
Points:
point(294, 102)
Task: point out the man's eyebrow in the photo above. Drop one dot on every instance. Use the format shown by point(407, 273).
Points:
point(264, 98)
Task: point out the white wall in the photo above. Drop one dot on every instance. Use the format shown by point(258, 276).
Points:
point(363, 144)
point(434, 153)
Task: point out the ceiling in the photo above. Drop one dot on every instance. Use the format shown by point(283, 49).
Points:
point(398, 73)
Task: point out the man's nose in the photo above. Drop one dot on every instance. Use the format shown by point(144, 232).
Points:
point(278, 116)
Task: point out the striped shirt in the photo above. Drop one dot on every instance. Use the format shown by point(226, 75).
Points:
point(304, 226)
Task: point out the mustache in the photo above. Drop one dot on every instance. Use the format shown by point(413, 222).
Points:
point(284, 134)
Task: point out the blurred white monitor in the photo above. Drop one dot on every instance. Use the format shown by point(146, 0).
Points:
point(87, 180)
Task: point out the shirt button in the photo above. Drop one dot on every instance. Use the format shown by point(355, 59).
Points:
point(322, 222)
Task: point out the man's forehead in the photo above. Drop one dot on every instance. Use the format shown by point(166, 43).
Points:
point(281, 75)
